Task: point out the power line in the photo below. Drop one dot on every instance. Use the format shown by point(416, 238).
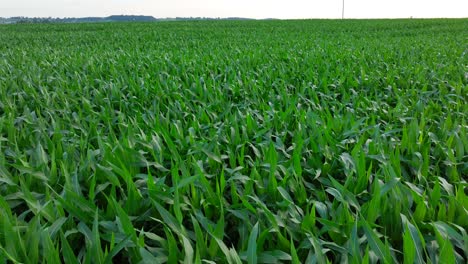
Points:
point(342, 11)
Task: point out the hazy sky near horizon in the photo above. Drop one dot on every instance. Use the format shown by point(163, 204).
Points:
point(237, 8)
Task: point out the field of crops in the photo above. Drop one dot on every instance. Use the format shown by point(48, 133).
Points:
point(320, 141)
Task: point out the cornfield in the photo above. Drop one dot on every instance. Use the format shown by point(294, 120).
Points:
point(304, 141)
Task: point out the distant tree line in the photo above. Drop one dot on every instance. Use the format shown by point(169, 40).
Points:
point(114, 18)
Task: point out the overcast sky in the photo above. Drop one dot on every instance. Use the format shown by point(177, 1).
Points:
point(237, 8)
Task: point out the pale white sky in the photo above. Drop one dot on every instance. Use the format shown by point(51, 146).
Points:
point(237, 8)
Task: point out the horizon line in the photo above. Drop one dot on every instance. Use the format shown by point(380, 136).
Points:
point(226, 17)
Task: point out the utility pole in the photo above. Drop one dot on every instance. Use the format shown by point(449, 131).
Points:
point(342, 11)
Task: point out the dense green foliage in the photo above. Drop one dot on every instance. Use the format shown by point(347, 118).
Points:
point(234, 141)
